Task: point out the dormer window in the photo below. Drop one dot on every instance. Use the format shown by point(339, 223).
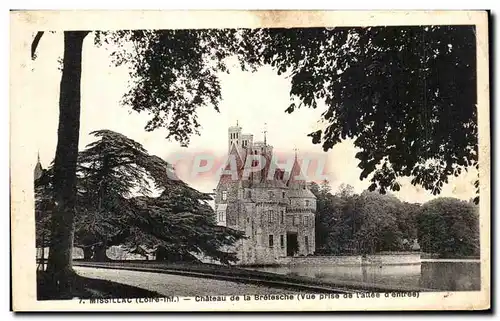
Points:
point(224, 195)
point(307, 202)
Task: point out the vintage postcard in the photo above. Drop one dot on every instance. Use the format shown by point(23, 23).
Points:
point(250, 160)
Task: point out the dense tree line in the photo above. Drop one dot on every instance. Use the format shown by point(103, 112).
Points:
point(347, 223)
point(115, 206)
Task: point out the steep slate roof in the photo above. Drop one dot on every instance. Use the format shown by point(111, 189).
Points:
point(255, 177)
point(225, 178)
point(296, 181)
point(296, 176)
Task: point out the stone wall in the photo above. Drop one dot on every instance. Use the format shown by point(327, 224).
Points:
point(263, 220)
point(375, 259)
point(392, 258)
point(263, 212)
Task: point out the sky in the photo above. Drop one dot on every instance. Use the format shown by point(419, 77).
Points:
point(256, 100)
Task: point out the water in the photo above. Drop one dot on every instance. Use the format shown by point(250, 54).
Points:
point(440, 276)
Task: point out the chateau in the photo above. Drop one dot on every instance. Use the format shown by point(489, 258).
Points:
point(273, 206)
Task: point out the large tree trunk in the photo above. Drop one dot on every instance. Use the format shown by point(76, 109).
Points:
point(60, 254)
point(100, 253)
point(87, 253)
point(161, 254)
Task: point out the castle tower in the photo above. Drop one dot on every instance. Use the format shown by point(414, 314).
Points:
point(234, 137)
point(301, 210)
point(246, 140)
point(275, 212)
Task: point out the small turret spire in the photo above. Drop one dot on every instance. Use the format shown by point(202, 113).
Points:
point(265, 134)
point(38, 168)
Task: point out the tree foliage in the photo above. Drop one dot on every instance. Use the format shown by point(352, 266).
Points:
point(173, 73)
point(449, 227)
point(406, 95)
point(379, 230)
point(116, 177)
point(347, 223)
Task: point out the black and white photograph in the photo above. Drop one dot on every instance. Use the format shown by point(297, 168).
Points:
point(250, 161)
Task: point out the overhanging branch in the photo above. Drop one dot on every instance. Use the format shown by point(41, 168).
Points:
point(34, 44)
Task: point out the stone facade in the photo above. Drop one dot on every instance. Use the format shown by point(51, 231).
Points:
point(273, 206)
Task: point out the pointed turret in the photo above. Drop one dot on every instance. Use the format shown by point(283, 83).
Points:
point(38, 171)
point(301, 198)
point(296, 178)
point(234, 154)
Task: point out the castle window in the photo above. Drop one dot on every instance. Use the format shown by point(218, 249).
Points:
point(306, 221)
point(282, 241)
point(270, 215)
point(307, 202)
point(271, 240)
point(296, 220)
point(271, 195)
point(283, 193)
point(224, 195)
point(221, 217)
point(282, 216)
point(249, 194)
point(306, 242)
